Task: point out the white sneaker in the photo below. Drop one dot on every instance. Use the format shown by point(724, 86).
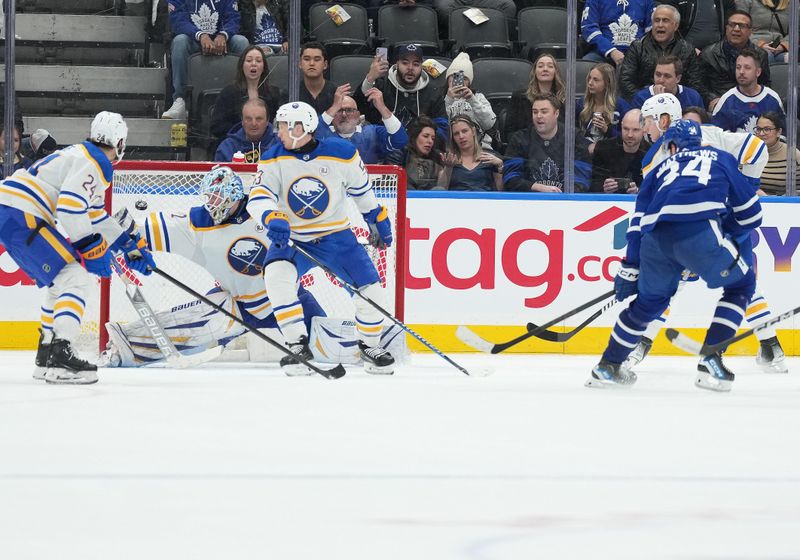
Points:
point(177, 111)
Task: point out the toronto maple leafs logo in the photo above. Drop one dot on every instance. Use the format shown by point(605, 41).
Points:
point(308, 197)
point(246, 255)
point(749, 125)
point(624, 30)
point(205, 20)
point(549, 174)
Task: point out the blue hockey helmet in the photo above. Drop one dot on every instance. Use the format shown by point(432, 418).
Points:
point(221, 189)
point(684, 134)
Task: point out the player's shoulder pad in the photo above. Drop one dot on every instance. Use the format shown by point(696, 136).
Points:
point(199, 218)
point(100, 159)
point(273, 152)
point(336, 148)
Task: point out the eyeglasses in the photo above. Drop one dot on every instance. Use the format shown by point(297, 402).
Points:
point(764, 130)
point(348, 111)
point(734, 25)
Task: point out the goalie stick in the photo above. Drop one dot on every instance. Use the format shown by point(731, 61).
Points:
point(395, 320)
point(552, 336)
point(160, 337)
point(690, 345)
point(333, 373)
point(468, 336)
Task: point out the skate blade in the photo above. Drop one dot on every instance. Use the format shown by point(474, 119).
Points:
point(594, 383)
point(378, 370)
point(39, 372)
point(66, 377)
point(711, 383)
point(298, 370)
point(773, 367)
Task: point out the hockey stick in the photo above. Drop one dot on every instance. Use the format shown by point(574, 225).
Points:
point(553, 336)
point(395, 320)
point(333, 373)
point(157, 332)
point(467, 336)
point(690, 345)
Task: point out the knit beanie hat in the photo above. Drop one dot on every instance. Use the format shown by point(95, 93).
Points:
point(461, 62)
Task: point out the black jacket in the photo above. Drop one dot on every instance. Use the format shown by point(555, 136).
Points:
point(640, 63)
point(610, 160)
point(718, 76)
point(688, 10)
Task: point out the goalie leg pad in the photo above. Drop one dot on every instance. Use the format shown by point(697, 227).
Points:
point(369, 321)
point(280, 278)
point(334, 341)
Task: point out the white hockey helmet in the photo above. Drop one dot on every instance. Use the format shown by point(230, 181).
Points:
point(221, 189)
point(110, 130)
point(660, 104)
point(298, 112)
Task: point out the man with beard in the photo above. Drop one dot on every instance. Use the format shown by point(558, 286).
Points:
point(535, 155)
point(405, 88)
point(373, 141)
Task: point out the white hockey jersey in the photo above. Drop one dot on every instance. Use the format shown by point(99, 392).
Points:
point(311, 188)
point(232, 252)
point(750, 151)
point(67, 187)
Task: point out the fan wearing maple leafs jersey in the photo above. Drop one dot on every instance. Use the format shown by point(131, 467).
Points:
point(610, 26)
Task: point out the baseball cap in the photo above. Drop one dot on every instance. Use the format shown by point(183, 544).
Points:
point(409, 50)
point(42, 143)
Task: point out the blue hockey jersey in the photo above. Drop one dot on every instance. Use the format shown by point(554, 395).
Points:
point(693, 185)
point(610, 25)
point(738, 112)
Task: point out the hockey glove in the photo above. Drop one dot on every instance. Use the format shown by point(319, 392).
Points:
point(137, 257)
point(626, 283)
point(96, 256)
point(380, 227)
point(278, 229)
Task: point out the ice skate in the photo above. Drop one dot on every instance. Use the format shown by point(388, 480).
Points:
point(639, 353)
point(605, 374)
point(65, 367)
point(377, 360)
point(41, 358)
point(713, 375)
point(771, 357)
point(290, 365)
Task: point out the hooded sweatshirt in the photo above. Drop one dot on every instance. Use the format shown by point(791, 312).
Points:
point(405, 102)
point(238, 142)
point(198, 17)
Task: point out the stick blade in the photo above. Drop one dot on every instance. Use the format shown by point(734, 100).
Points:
point(680, 340)
point(333, 373)
point(183, 361)
point(468, 337)
point(549, 336)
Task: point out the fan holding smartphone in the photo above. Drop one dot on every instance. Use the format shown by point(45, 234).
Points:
point(460, 99)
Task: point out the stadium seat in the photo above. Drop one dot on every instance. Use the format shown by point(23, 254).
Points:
point(439, 81)
point(779, 74)
point(399, 25)
point(489, 39)
point(498, 78)
point(207, 76)
point(581, 69)
point(278, 71)
point(351, 37)
point(542, 30)
point(350, 69)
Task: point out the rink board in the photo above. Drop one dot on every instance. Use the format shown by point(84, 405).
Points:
point(495, 261)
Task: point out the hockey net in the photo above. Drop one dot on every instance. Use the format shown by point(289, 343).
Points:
point(145, 187)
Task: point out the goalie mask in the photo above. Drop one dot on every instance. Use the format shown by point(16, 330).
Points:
point(221, 189)
point(110, 130)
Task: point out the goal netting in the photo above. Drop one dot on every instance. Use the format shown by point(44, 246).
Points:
point(145, 187)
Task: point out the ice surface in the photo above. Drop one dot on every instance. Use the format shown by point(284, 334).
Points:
point(243, 463)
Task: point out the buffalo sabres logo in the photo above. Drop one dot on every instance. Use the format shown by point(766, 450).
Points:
point(308, 197)
point(246, 255)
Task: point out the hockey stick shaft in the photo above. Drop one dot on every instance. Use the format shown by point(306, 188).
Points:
point(383, 311)
point(334, 373)
point(552, 336)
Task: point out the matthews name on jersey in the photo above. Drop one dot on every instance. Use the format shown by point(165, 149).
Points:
point(311, 187)
point(687, 187)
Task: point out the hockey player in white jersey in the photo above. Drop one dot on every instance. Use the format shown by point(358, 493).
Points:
point(299, 195)
point(658, 114)
point(67, 189)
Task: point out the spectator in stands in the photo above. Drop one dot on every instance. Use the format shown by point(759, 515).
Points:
point(374, 141)
point(545, 77)
point(738, 109)
point(718, 61)
point(404, 86)
point(535, 155)
point(20, 161)
point(467, 166)
point(697, 114)
point(421, 157)
point(314, 88)
point(250, 83)
point(462, 100)
point(252, 137)
point(610, 27)
point(265, 24)
point(444, 7)
point(210, 27)
point(38, 145)
point(617, 162)
point(770, 20)
point(702, 21)
point(599, 110)
point(640, 60)
point(773, 179)
point(666, 79)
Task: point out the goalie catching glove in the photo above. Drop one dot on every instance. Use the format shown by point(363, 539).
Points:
point(380, 227)
point(626, 283)
point(278, 230)
point(96, 256)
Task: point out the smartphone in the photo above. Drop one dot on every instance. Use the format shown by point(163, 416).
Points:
point(382, 52)
point(458, 78)
point(775, 43)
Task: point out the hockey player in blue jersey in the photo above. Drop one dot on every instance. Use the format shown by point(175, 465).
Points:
point(67, 189)
point(300, 195)
point(677, 225)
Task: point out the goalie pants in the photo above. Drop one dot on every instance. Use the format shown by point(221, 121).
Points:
point(665, 252)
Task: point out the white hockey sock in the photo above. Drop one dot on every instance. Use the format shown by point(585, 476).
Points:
point(280, 278)
point(758, 311)
point(68, 293)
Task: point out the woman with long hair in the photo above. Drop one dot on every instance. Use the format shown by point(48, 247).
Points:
point(251, 82)
point(467, 166)
point(770, 21)
point(599, 111)
point(421, 157)
point(545, 77)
